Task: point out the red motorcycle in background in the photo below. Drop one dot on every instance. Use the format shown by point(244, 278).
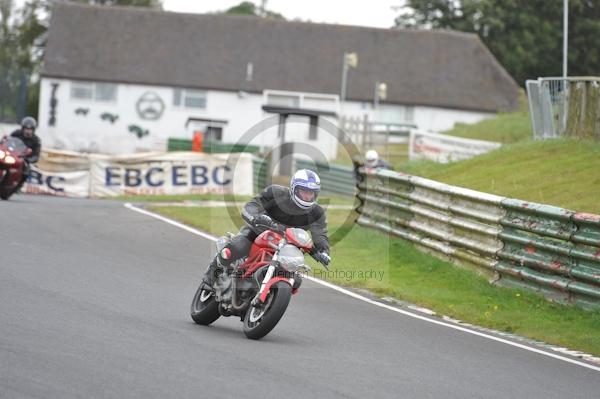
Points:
point(12, 153)
point(259, 289)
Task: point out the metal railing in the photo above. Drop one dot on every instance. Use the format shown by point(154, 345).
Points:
point(544, 248)
point(209, 147)
point(565, 107)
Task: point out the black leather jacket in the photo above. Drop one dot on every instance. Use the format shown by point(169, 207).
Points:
point(32, 142)
point(276, 201)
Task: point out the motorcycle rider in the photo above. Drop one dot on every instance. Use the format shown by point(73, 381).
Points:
point(275, 208)
point(371, 161)
point(27, 135)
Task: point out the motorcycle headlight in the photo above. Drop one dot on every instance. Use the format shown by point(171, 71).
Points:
point(290, 258)
point(2, 154)
point(10, 160)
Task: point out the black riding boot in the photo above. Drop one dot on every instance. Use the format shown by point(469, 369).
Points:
point(212, 272)
point(26, 172)
point(18, 187)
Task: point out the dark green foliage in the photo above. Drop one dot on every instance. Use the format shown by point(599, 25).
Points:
point(524, 35)
point(249, 8)
point(22, 43)
point(132, 3)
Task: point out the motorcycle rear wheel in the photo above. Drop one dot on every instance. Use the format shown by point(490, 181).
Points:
point(204, 309)
point(259, 321)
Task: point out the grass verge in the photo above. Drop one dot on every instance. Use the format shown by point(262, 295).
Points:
point(410, 275)
point(505, 128)
point(556, 172)
point(323, 199)
point(181, 197)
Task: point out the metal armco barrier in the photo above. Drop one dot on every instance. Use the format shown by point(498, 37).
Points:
point(548, 249)
point(335, 179)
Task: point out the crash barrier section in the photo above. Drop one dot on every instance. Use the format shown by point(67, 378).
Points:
point(442, 148)
point(335, 179)
point(94, 175)
point(209, 147)
point(551, 250)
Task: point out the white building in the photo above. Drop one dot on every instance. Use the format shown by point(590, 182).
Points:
point(120, 80)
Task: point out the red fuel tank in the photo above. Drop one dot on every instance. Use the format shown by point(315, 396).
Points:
point(262, 241)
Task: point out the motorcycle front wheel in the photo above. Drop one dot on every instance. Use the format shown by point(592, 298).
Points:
point(204, 309)
point(260, 320)
point(3, 193)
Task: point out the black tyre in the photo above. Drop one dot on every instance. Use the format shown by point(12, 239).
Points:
point(204, 309)
point(259, 321)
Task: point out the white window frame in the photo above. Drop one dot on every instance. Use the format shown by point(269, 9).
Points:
point(93, 88)
point(302, 97)
point(181, 96)
point(82, 86)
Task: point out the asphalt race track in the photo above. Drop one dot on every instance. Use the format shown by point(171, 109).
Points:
point(94, 303)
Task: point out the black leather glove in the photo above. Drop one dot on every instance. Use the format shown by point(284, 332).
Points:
point(263, 220)
point(323, 258)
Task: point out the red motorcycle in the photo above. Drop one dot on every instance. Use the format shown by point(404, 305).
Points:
point(12, 163)
point(259, 289)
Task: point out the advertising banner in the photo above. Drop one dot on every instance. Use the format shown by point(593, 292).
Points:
point(92, 175)
point(171, 173)
point(442, 148)
point(65, 184)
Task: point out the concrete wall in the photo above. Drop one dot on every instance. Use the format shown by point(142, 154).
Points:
point(79, 125)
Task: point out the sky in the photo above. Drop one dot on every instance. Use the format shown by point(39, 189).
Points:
point(376, 13)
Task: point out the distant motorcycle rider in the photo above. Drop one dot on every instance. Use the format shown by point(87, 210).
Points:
point(275, 208)
point(372, 161)
point(27, 134)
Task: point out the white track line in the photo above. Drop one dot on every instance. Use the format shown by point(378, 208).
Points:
point(376, 303)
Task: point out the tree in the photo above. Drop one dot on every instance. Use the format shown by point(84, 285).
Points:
point(15, 60)
point(249, 8)
point(22, 43)
point(524, 35)
point(132, 3)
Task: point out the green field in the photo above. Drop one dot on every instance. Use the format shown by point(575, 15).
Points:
point(505, 128)
point(564, 173)
point(561, 172)
point(395, 268)
point(181, 198)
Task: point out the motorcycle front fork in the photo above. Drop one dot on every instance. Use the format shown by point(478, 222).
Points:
point(268, 276)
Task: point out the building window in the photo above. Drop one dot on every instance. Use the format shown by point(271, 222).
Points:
point(189, 98)
point(281, 100)
point(324, 103)
point(314, 125)
point(94, 91)
point(105, 92)
point(214, 133)
point(82, 91)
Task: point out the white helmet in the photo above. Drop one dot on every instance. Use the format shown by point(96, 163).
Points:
point(371, 158)
point(304, 188)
